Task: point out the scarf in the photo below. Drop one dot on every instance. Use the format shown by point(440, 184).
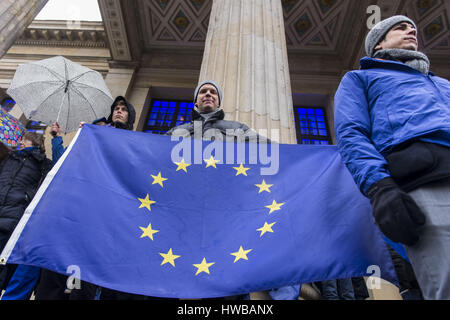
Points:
point(415, 59)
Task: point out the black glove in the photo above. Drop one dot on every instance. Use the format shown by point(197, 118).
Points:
point(395, 212)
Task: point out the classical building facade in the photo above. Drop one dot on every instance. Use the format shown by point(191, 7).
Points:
point(279, 62)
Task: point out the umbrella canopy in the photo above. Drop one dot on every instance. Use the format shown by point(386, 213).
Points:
point(59, 90)
point(11, 130)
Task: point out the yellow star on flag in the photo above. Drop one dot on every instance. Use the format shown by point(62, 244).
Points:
point(182, 165)
point(211, 162)
point(203, 267)
point(274, 206)
point(158, 179)
point(241, 254)
point(266, 228)
point(148, 232)
point(169, 257)
point(241, 170)
point(264, 187)
point(146, 203)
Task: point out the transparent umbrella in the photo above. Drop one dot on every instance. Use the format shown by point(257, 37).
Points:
point(60, 90)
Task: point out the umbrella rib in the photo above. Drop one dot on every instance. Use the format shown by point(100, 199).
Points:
point(51, 71)
point(48, 97)
point(82, 96)
point(80, 75)
point(42, 81)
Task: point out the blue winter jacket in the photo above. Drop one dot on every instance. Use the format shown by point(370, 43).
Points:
point(382, 105)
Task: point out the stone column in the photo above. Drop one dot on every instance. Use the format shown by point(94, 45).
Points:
point(120, 81)
point(245, 53)
point(15, 16)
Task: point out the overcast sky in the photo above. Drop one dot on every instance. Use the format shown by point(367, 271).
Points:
point(75, 10)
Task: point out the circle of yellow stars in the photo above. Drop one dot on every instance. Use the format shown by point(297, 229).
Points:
point(204, 265)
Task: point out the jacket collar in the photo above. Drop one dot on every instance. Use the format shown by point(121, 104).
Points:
point(217, 115)
point(369, 63)
point(29, 152)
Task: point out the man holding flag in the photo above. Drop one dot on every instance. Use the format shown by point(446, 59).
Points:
point(393, 130)
point(172, 227)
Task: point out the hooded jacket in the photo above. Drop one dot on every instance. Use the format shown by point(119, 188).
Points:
point(131, 113)
point(382, 106)
point(57, 142)
point(21, 173)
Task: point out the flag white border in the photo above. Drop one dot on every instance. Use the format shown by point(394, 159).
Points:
point(30, 209)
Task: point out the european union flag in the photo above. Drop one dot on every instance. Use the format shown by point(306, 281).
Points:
point(143, 214)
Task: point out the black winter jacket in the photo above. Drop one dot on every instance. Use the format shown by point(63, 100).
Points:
point(21, 173)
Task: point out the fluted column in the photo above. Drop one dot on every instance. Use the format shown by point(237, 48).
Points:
point(15, 16)
point(245, 53)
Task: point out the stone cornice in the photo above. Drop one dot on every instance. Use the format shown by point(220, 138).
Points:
point(64, 34)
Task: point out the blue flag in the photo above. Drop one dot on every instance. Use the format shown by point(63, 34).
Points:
point(143, 214)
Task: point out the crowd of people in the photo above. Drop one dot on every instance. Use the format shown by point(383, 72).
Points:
point(392, 121)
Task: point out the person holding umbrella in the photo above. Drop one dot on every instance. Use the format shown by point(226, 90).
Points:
point(21, 173)
point(122, 116)
point(53, 286)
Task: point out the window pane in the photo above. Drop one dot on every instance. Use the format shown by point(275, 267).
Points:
point(166, 114)
point(311, 121)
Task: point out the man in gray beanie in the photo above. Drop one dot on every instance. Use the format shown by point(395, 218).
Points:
point(392, 122)
point(207, 119)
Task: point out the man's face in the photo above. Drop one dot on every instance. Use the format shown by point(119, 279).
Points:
point(401, 36)
point(207, 98)
point(120, 113)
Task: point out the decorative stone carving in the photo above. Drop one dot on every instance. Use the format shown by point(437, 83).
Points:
point(115, 28)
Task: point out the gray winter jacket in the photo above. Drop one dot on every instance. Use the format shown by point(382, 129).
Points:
point(214, 127)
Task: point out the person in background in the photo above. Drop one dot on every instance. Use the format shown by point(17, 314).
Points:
point(21, 173)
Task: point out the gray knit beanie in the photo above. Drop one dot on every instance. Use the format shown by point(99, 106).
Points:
point(378, 32)
point(219, 92)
